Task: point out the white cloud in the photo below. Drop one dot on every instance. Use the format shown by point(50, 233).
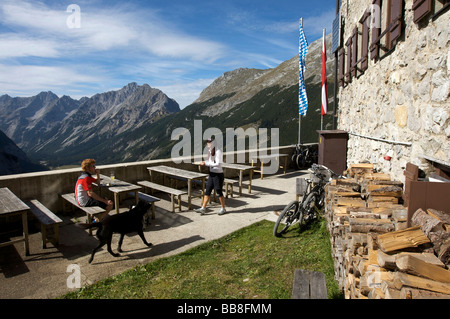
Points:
point(185, 93)
point(108, 28)
point(35, 16)
point(22, 79)
point(12, 45)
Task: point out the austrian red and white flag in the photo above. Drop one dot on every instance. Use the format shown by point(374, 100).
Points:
point(324, 78)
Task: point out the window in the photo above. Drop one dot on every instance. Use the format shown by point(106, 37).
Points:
point(423, 8)
point(390, 28)
point(341, 67)
point(364, 43)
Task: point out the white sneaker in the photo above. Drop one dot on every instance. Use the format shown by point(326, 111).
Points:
point(222, 211)
point(200, 210)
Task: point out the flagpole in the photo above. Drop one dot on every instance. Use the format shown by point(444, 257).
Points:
point(321, 116)
point(299, 115)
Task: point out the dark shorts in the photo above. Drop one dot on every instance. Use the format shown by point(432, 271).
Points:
point(215, 181)
point(93, 202)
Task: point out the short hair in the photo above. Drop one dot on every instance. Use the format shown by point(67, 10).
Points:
point(86, 163)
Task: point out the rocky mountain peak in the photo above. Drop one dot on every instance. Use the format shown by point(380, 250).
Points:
point(242, 84)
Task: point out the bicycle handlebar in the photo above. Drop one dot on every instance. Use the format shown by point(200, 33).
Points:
point(315, 170)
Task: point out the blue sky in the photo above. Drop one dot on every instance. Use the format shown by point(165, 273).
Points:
point(178, 46)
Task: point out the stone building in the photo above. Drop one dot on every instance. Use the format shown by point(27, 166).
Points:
point(393, 75)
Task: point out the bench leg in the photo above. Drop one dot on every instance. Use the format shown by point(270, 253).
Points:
point(179, 202)
point(56, 233)
point(172, 199)
point(153, 210)
point(44, 236)
point(89, 219)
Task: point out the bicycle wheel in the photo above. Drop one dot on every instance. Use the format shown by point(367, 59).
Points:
point(309, 207)
point(287, 217)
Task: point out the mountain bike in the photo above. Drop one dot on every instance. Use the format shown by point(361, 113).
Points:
point(312, 201)
point(304, 155)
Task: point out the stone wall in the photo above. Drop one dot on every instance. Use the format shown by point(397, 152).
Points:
point(404, 96)
point(48, 186)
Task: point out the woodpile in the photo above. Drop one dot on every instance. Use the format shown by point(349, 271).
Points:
point(375, 254)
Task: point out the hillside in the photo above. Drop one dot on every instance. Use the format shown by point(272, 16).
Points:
point(59, 131)
point(136, 122)
point(243, 98)
point(13, 160)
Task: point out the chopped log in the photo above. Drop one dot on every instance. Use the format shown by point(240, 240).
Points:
point(442, 216)
point(364, 215)
point(390, 199)
point(372, 256)
point(385, 260)
point(427, 223)
point(349, 201)
point(366, 225)
point(392, 293)
point(377, 176)
point(444, 252)
point(401, 279)
point(361, 167)
point(410, 237)
point(372, 241)
point(411, 293)
point(392, 191)
point(369, 186)
point(415, 266)
point(349, 182)
point(383, 205)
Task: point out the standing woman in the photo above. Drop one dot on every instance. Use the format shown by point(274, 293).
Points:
point(216, 176)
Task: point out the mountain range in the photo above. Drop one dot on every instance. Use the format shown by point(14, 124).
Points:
point(135, 123)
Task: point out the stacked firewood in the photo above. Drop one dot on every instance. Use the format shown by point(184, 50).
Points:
point(375, 254)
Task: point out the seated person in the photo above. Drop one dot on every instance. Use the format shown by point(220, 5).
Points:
point(84, 194)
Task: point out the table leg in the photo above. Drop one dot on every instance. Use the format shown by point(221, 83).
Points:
point(262, 167)
point(116, 202)
point(250, 176)
point(189, 193)
point(285, 164)
point(241, 178)
point(25, 232)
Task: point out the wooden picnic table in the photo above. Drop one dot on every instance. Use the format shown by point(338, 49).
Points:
point(11, 205)
point(118, 187)
point(241, 168)
point(272, 157)
point(189, 176)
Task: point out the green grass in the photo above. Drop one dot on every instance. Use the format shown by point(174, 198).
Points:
point(249, 263)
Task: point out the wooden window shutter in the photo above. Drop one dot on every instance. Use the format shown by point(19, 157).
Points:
point(375, 45)
point(348, 74)
point(365, 41)
point(395, 24)
point(341, 58)
point(354, 51)
point(421, 8)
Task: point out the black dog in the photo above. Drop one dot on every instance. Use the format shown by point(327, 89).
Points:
point(124, 223)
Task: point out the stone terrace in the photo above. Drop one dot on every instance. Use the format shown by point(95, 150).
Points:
point(44, 274)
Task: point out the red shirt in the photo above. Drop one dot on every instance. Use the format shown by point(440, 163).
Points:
point(84, 184)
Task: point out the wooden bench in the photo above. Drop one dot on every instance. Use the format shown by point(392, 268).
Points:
point(172, 191)
point(46, 218)
point(91, 212)
point(149, 199)
point(228, 186)
point(309, 285)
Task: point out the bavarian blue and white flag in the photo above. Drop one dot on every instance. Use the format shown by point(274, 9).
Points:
point(302, 50)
